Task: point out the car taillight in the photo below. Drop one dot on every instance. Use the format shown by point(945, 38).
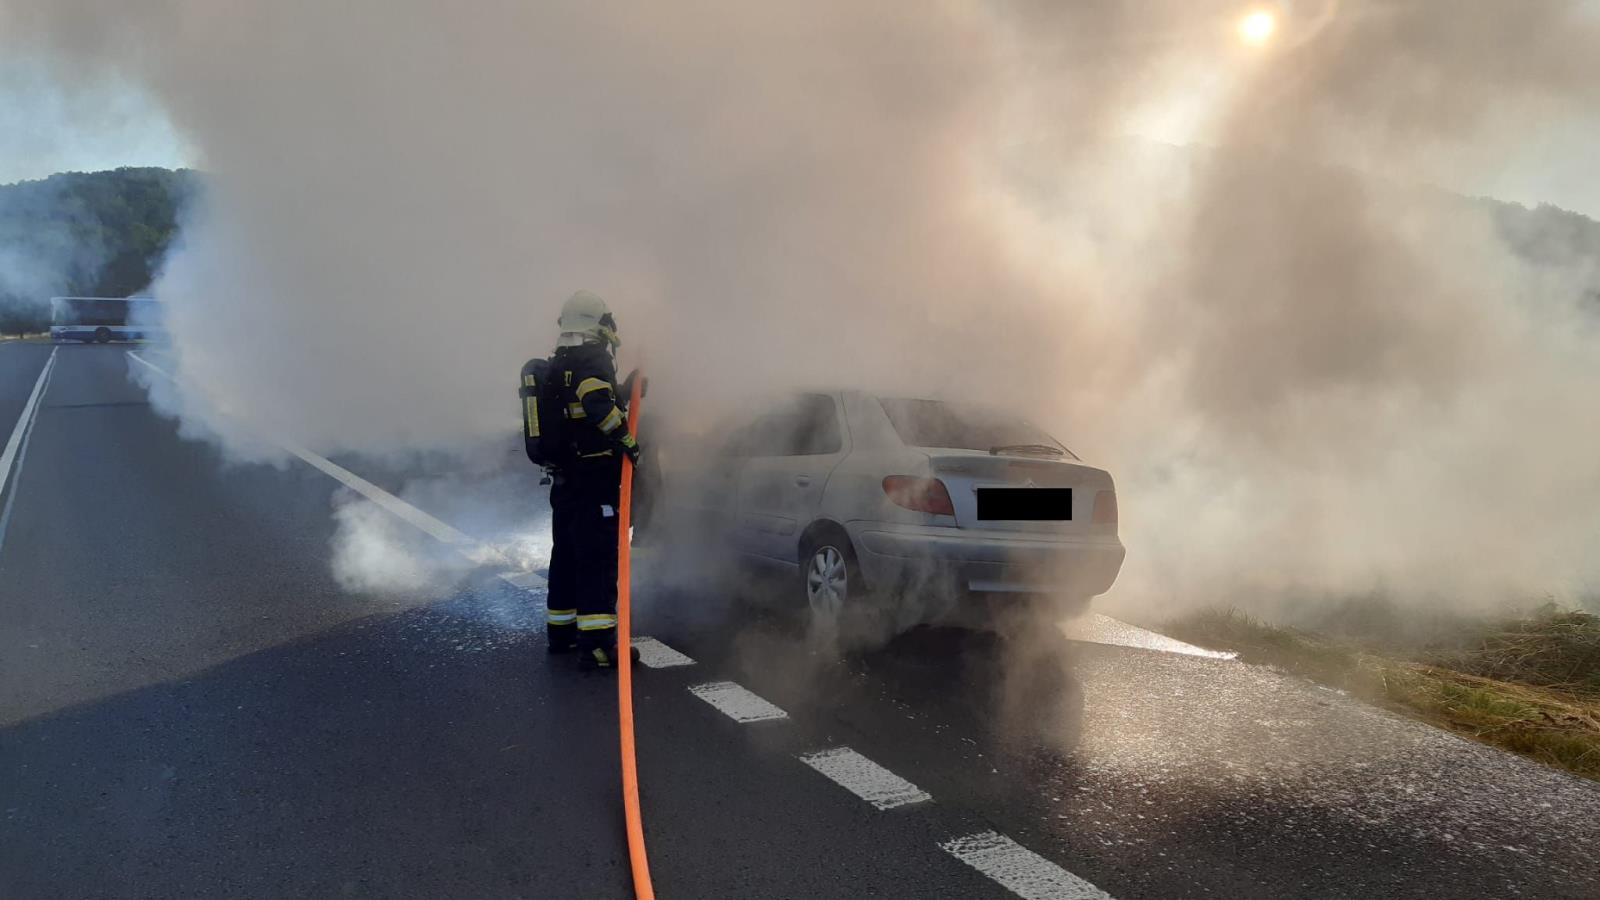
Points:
point(1105, 508)
point(927, 495)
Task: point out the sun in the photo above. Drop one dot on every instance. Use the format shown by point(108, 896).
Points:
point(1257, 27)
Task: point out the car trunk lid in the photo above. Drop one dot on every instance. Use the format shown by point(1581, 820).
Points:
point(1019, 491)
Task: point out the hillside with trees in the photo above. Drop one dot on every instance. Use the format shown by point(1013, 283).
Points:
point(88, 234)
point(103, 234)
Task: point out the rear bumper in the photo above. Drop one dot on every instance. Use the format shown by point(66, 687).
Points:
point(892, 555)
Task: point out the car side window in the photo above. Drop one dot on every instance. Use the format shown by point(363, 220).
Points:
point(752, 437)
point(816, 427)
point(766, 436)
point(807, 425)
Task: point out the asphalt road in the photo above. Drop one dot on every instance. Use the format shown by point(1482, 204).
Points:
point(230, 680)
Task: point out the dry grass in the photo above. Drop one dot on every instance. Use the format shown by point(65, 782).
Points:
point(1554, 727)
point(1530, 685)
point(1290, 649)
point(1552, 648)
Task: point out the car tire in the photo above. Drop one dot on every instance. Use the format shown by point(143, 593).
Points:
point(102, 335)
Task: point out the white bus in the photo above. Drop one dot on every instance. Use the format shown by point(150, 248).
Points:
point(105, 319)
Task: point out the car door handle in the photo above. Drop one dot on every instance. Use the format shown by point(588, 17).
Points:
point(802, 480)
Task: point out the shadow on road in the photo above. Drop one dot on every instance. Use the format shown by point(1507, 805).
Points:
point(429, 753)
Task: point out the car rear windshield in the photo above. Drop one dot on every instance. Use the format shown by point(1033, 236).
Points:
point(934, 423)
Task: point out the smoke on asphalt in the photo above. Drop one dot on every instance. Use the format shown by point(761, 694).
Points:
point(1310, 371)
point(375, 552)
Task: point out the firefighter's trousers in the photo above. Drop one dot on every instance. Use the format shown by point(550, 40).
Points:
point(582, 602)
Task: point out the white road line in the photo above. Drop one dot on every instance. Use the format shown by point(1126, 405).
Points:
point(404, 511)
point(657, 655)
point(735, 702)
point(1020, 870)
point(365, 488)
point(652, 653)
point(16, 452)
point(662, 655)
point(865, 778)
point(524, 580)
point(1100, 629)
point(29, 410)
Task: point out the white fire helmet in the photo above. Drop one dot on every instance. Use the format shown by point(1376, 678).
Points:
point(585, 318)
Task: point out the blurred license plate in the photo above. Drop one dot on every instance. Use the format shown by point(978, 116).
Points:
point(1025, 504)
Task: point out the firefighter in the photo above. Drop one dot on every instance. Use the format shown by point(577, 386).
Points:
point(588, 409)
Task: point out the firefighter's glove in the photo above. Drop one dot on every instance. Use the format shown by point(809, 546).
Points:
point(630, 447)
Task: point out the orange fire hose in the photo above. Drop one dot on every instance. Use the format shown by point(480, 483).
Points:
point(642, 889)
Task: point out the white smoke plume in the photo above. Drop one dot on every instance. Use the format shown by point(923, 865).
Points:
point(375, 552)
point(1309, 371)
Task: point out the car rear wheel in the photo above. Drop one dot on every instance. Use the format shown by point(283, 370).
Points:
point(102, 335)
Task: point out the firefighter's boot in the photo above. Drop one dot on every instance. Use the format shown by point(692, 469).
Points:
point(603, 657)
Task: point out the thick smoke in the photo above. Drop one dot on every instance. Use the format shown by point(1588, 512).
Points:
point(1309, 371)
point(43, 247)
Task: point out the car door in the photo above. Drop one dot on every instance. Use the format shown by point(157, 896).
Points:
point(689, 484)
point(794, 449)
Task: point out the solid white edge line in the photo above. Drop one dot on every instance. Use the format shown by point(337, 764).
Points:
point(657, 655)
point(1020, 870)
point(865, 778)
point(24, 419)
point(737, 703)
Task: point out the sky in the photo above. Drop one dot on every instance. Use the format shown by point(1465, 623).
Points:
point(46, 128)
point(1554, 165)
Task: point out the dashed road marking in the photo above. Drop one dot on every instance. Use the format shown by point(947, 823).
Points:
point(657, 655)
point(736, 702)
point(1020, 870)
point(865, 778)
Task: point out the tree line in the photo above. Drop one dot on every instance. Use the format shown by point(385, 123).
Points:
point(103, 234)
point(98, 234)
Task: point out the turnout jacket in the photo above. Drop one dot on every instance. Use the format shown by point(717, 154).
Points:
point(594, 411)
